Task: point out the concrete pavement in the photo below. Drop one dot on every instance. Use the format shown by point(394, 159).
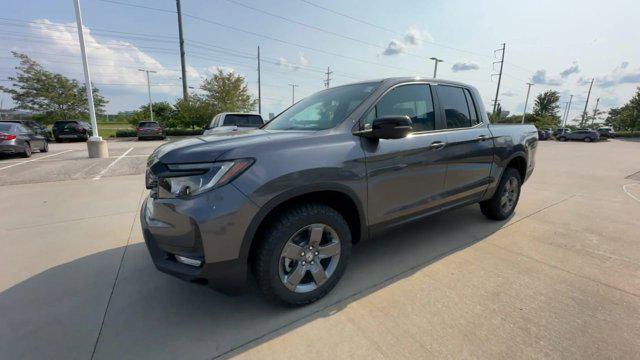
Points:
point(561, 279)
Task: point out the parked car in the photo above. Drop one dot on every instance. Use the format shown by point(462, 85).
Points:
point(19, 139)
point(607, 132)
point(583, 135)
point(37, 127)
point(71, 129)
point(289, 199)
point(543, 134)
point(557, 132)
point(150, 129)
point(233, 122)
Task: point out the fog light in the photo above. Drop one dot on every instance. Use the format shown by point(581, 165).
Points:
point(188, 261)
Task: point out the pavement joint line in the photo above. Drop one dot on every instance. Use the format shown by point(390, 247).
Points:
point(624, 187)
point(115, 281)
point(70, 220)
point(104, 171)
point(42, 157)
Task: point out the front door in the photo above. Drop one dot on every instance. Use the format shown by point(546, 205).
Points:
point(469, 149)
point(405, 176)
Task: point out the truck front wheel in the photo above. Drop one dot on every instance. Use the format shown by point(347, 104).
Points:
point(505, 199)
point(303, 254)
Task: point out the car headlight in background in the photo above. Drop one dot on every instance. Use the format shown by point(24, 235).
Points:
point(184, 180)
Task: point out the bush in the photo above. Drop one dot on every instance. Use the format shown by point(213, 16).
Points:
point(628, 134)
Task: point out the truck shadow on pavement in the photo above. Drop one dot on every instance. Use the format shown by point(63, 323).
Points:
point(59, 312)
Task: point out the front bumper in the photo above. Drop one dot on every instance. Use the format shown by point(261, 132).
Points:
point(209, 227)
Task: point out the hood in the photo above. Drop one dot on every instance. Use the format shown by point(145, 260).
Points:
point(207, 148)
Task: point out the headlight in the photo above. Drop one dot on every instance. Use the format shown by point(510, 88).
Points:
point(184, 180)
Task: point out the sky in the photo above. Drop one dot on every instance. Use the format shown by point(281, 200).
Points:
point(557, 45)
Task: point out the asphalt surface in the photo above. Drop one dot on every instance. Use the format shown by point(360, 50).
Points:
point(560, 279)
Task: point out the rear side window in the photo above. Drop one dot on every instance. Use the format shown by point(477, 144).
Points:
point(473, 111)
point(242, 120)
point(412, 100)
point(456, 109)
point(6, 127)
point(65, 125)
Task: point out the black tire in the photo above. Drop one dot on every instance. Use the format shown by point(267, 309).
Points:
point(27, 151)
point(45, 147)
point(493, 208)
point(562, 138)
point(139, 138)
point(59, 140)
point(267, 265)
point(588, 139)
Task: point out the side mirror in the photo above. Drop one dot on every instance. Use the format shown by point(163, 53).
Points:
point(389, 127)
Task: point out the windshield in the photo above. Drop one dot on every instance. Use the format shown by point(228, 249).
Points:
point(242, 120)
point(148, 124)
point(322, 110)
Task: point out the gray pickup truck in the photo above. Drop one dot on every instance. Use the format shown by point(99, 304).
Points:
point(287, 201)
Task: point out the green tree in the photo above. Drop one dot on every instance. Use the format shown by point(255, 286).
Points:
point(196, 111)
point(49, 95)
point(627, 117)
point(547, 104)
point(228, 92)
point(163, 113)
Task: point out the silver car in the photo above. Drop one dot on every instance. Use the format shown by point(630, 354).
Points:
point(224, 122)
point(19, 139)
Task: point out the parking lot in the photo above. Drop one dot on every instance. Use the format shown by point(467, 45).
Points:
point(560, 279)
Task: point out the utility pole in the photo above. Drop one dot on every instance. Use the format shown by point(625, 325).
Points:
point(149, 90)
point(584, 113)
point(293, 93)
point(595, 111)
point(259, 85)
point(96, 147)
point(495, 102)
point(328, 73)
point(1, 106)
point(566, 117)
point(526, 100)
point(185, 94)
point(435, 65)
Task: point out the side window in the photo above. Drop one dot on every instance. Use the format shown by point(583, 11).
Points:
point(454, 102)
point(475, 118)
point(412, 100)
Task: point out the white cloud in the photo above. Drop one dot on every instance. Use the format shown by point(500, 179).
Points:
point(395, 47)
point(621, 74)
point(415, 36)
point(465, 66)
point(225, 69)
point(110, 61)
point(540, 77)
point(302, 61)
point(573, 69)
point(509, 93)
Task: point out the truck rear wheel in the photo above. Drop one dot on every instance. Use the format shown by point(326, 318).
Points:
point(505, 199)
point(303, 254)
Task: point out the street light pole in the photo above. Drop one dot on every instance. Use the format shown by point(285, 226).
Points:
point(435, 65)
point(524, 112)
point(293, 93)
point(566, 117)
point(96, 147)
point(149, 90)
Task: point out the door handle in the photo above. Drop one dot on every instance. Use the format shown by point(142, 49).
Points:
point(436, 145)
point(482, 137)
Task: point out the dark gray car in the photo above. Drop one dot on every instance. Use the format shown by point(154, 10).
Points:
point(289, 199)
point(585, 135)
point(16, 138)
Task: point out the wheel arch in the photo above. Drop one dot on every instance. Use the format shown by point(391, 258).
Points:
point(339, 197)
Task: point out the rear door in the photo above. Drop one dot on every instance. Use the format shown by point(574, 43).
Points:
point(404, 176)
point(469, 150)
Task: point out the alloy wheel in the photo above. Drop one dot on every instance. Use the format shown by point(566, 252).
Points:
point(309, 258)
point(509, 195)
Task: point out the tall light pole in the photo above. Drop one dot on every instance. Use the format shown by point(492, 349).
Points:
point(595, 111)
point(435, 65)
point(526, 100)
point(566, 117)
point(259, 85)
point(96, 147)
point(584, 113)
point(149, 90)
point(293, 93)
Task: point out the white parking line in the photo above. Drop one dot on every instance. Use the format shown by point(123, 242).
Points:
point(624, 187)
point(104, 171)
point(42, 157)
